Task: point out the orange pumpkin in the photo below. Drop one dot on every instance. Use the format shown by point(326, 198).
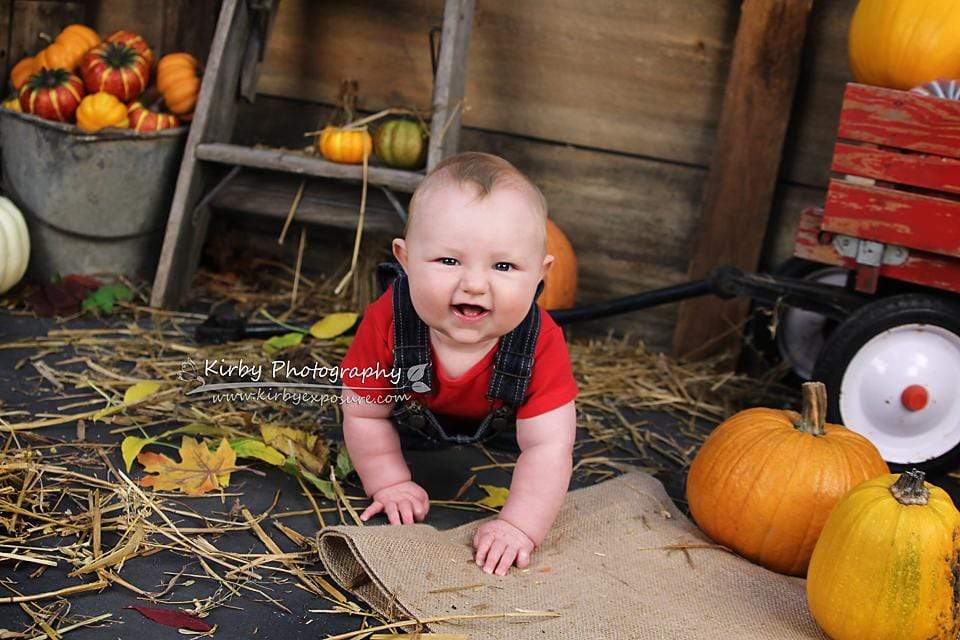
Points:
point(765, 481)
point(78, 39)
point(57, 56)
point(22, 71)
point(345, 146)
point(178, 79)
point(144, 119)
point(560, 282)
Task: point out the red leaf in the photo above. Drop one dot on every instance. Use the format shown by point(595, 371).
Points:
point(91, 284)
point(172, 618)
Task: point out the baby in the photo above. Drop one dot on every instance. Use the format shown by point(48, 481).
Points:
point(473, 255)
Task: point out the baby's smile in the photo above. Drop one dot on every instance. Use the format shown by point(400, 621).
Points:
point(470, 312)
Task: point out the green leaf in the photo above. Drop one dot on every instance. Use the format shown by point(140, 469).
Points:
point(197, 429)
point(105, 297)
point(131, 446)
point(291, 467)
point(278, 343)
point(254, 448)
point(333, 325)
point(344, 466)
point(496, 496)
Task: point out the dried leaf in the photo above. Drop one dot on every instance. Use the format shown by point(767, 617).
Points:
point(308, 450)
point(333, 325)
point(131, 447)
point(140, 390)
point(496, 496)
point(198, 471)
point(278, 343)
point(135, 393)
point(325, 487)
point(172, 618)
point(253, 448)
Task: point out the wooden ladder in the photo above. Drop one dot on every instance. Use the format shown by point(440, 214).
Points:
point(232, 72)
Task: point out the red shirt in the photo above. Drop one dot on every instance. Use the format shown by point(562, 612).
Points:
point(551, 384)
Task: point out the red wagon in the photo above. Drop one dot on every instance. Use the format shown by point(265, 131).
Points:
point(890, 228)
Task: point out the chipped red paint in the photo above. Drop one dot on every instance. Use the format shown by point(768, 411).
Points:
point(895, 217)
point(929, 269)
point(900, 119)
point(918, 170)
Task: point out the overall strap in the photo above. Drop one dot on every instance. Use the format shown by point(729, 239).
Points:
point(513, 365)
point(411, 340)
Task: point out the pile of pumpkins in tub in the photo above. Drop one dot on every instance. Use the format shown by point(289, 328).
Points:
point(798, 496)
point(79, 78)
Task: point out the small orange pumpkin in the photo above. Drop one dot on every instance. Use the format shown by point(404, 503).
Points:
point(22, 71)
point(78, 39)
point(560, 282)
point(57, 56)
point(100, 110)
point(178, 80)
point(344, 146)
point(144, 119)
point(765, 481)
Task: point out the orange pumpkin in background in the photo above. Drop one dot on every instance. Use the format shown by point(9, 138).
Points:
point(346, 146)
point(178, 80)
point(560, 283)
point(765, 481)
point(78, 39)
point(57, 56)
point(22, 71)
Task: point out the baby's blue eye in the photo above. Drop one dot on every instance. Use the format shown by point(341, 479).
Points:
point(452, 261)
point(506, 264)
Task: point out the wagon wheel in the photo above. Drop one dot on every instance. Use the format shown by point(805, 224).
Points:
point(800, 334)
point(892, 371)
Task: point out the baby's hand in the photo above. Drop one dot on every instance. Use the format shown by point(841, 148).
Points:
point(403, 503)
point(499, 543)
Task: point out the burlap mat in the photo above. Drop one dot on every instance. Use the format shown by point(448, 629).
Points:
point(602, 567)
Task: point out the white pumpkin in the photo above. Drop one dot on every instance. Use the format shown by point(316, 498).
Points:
point(14, 245)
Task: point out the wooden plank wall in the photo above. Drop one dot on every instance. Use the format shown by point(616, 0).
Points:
point(610, 106)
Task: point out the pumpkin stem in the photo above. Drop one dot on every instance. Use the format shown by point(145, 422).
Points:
point(814, 406)
point(909, 489)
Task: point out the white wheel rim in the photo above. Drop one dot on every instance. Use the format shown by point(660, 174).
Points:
point(872, 387)
point(800, 336)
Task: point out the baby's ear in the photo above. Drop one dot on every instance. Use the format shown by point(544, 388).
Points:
point(400, 251)
point(547, 263)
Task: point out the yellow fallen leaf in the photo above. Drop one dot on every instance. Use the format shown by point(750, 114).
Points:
point(333, 325)
point(140, 390)
point(198, 471)
point(131, 447)
point(135, 393)
point(496, 496)
point(306, 448)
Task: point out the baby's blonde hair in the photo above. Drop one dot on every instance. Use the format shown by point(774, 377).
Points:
point(483, 171)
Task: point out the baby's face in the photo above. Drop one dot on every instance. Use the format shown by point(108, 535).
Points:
point(473, 264)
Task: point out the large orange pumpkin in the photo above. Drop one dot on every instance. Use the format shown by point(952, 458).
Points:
point(903, 43)
point(765, 481)
point(560, 283)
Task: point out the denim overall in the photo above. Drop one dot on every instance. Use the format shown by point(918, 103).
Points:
point(418, 426)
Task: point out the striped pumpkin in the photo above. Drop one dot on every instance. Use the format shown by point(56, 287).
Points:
point(115, 68)
point(145, 119)
point(53, 94)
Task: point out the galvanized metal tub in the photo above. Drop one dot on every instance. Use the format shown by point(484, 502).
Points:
point(93, 202)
